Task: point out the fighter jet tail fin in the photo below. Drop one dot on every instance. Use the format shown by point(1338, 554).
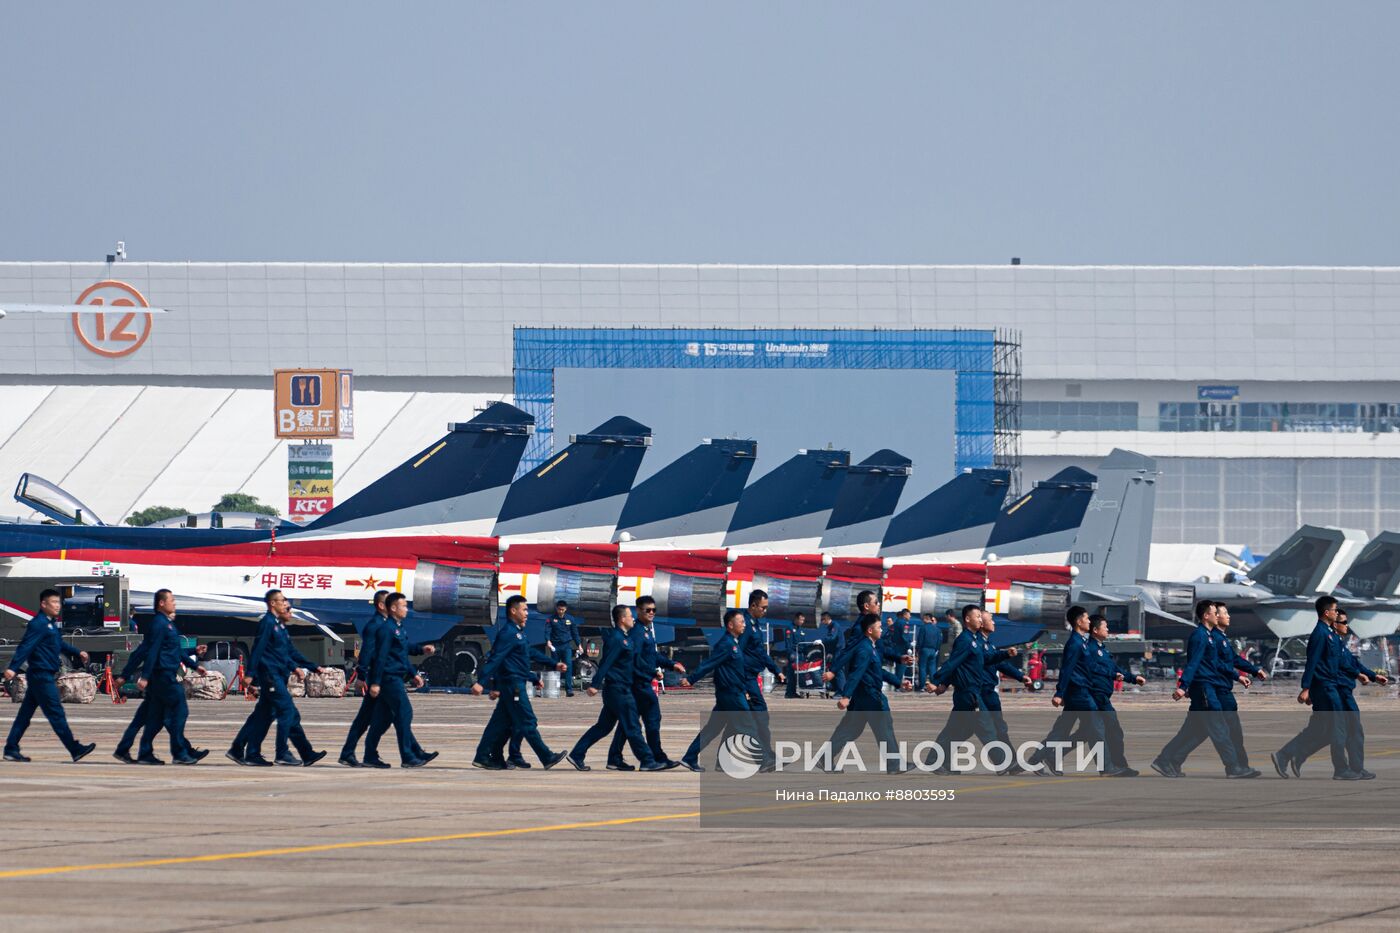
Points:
point(1375, 574)
point(1040, 526)
point(1114, 542)
point(1311, 561)
point(867, 499)
point(578, 494)
point(694, 495)
point(458, 480)
point(955, 519)
point(789, 507)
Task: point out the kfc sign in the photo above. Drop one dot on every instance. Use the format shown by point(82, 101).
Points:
point(309, 508)
point(310, 481)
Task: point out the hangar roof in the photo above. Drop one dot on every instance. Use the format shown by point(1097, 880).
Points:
point(449, 320)
point(123, 448)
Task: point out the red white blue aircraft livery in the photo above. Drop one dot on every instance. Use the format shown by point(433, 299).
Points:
point(450, 528)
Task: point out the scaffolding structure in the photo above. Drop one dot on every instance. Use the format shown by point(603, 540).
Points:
point(986, 365)
point(1006, 370)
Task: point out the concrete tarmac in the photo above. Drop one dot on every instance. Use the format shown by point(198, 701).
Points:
point(102, 845)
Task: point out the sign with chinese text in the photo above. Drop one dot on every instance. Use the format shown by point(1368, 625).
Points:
point(345, 403)
point(310, 482)
point(313, 403)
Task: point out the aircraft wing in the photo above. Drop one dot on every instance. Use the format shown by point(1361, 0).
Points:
point(1164, 616)
point(206, 604)
point(1155, 610)
point(1150, 606)
point(304, 617)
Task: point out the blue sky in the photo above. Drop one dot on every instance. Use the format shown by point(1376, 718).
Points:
point(1184, 132)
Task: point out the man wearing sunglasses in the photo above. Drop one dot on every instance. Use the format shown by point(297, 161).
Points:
point(647, 660)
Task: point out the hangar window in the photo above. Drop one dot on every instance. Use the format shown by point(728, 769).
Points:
point(1296, 417)
point(1198, 416)
point(1260, 501)
point(1079, 416)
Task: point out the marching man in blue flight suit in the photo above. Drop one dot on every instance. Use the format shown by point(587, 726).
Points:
point(159, 671)
point(1351, 670)
point(1072, 694)
point(1104, 676)
point(731, 710)
point(1203, 679)
point(1234, 669)
point(995, 665)
point(563, 643)
point(504, 674)
point(864, 702)
point(274, 659)
point(42, 648)
point(147, 705)
point(369, 636)
point(387, 671)
point(647, 660)
point(754, 647)
point(1323, 676)
point(965, 671)
point(514, 759)
point(616, 669)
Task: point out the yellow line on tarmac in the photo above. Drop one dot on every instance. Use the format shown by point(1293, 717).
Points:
point(333, 846)
point(451, 837)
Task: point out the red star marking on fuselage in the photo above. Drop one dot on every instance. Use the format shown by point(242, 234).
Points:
point(369, 582)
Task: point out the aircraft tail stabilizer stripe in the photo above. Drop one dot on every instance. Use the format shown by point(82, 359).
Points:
point(706, 481)
point(479, 455)
point(954, 517)
point(1053, 510)
point(871, 489)
point(804, 486)
point(596, 468)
